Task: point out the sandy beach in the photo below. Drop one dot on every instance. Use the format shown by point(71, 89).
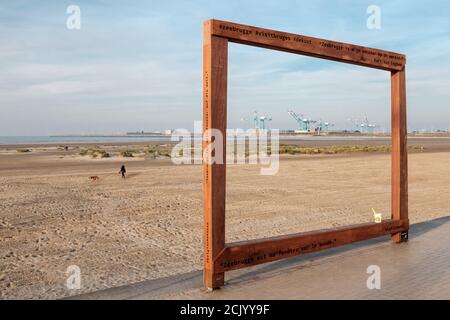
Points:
point(149, 226)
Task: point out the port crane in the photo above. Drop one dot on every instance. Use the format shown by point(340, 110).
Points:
point(260, 122)
point(304, 124)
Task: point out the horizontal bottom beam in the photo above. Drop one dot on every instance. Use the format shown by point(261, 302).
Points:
point(249, 253)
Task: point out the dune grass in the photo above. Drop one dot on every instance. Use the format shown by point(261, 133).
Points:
point(94, 153)
point(23, 150)
point(344, 149)
point(127, 153)
point(165, 150)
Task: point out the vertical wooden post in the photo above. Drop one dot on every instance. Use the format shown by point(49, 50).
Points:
point(215, 62)
point(399, 151)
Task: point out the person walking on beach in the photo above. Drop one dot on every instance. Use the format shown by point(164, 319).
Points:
point(123, 171)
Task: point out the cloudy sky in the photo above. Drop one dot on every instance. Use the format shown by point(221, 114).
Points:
point(136, 65)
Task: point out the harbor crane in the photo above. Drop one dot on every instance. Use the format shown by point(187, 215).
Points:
point(323, 126)
point(364, 126)
point(304, 124)
point(260, 122)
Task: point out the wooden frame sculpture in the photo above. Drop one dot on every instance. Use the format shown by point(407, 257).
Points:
point(220, 257)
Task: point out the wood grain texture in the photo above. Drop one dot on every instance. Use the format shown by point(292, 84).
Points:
point(309, 46)
point(215, 61)
point(399, 164)
point(244, 254)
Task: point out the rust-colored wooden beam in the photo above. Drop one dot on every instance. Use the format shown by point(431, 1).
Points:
point(215, 61)
point(309, 46)
point(219, 257)
point(249, 253)
point(399, 166)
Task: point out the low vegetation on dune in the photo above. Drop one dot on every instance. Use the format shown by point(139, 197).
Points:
point(150, 151)
point(94, 153)
point(127, 153)
point(23, 150)
point(292, 149)
point(160, 150)
point(165, 151)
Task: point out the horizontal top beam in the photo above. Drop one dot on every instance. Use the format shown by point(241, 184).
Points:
point(315, 47)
